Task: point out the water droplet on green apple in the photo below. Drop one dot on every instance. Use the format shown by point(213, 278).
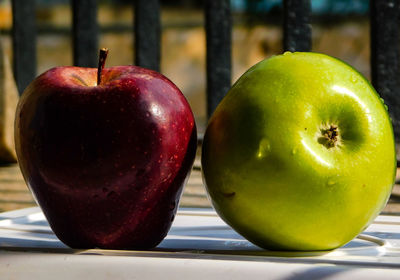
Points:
point(294, 151)
point(386, 107)
point(331, 182)
point(263, 148)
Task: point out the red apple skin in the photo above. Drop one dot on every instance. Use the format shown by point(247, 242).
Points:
point(107, 164)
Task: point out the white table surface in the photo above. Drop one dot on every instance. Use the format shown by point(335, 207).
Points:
point(199, 246)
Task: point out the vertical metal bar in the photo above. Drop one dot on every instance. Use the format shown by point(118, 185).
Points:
point(147, 33)
point(218, 26)
point(24, 42)
point(385, 51)
point(85, 33)
point(296, 25)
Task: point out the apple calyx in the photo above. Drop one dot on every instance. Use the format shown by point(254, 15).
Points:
point(329, 136)
point(102, 61)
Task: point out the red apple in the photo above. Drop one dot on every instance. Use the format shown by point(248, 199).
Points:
point(106, 158)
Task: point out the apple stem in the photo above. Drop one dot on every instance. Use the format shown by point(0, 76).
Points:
point(102, 61)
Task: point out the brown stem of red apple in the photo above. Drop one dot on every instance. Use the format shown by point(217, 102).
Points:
point(102, 61)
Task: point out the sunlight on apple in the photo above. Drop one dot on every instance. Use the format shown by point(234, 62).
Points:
point(319, 158)
point(348, 92)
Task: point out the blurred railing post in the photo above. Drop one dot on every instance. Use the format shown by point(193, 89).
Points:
point(219, 47)
point(24, 42)
point(385, 51)
point(147, 34)
point(85, 33)
point(296, 25)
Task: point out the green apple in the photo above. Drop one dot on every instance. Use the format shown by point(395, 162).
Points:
point(300, 154)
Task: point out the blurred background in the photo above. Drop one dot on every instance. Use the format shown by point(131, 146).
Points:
point(340, 28)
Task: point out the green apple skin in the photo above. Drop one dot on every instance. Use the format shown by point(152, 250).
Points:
point(268, 169)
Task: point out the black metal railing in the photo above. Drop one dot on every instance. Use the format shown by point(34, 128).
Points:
point(297, 25)
point(85, 32)
point(385, 38)
point(219, 47)
point(24, 42)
